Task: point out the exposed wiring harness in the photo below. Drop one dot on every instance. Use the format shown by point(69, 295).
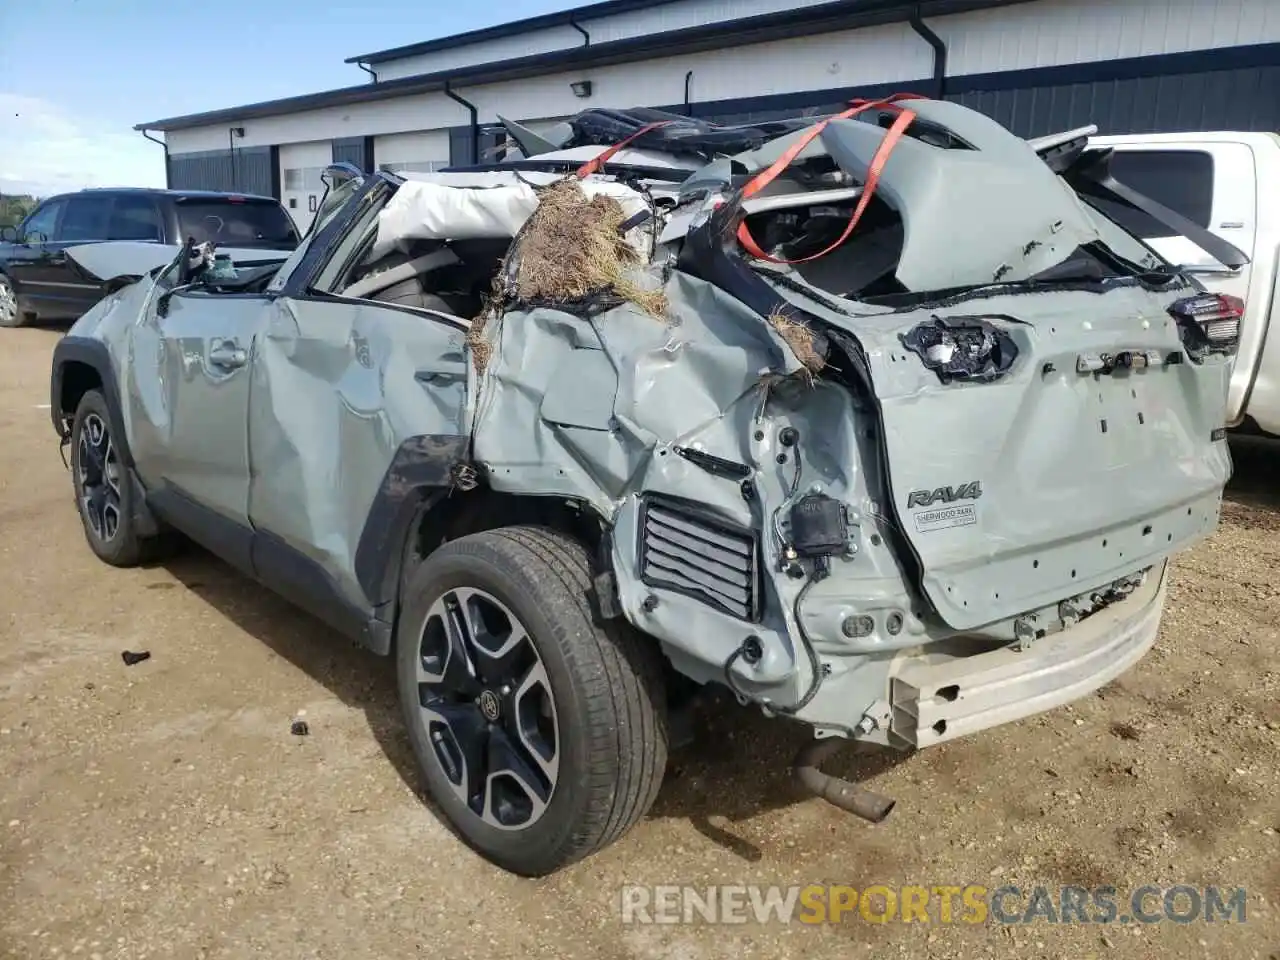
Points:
point(821, 570)
point(815, 665)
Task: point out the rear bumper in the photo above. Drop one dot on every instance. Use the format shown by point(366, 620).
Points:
point(939, 695)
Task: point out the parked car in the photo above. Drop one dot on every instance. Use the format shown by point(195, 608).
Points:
point(1229, 183)
point(885, 427)
point(46, 274)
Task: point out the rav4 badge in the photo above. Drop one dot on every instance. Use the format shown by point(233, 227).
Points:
point(927, 498)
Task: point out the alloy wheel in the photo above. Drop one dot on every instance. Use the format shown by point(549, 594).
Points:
point(99, 478)
point(8, 305)
point(488, 708)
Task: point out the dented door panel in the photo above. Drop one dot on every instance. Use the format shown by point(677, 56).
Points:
point(337, 387)
point(188, 396)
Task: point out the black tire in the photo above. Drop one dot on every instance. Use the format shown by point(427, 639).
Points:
point(10, 315)
point(119, 543)
point(606, 681)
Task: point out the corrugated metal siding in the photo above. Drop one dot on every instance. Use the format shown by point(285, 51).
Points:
point(250, 171)
point(1032, 35)
point(1056, 32)
point(1239, 99)
point(1037, 66)
point(460, 146)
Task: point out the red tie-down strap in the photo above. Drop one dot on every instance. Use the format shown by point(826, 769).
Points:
point(768, 175)
point(596, 163)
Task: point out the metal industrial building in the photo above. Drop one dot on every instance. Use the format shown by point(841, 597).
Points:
point(1034, 65)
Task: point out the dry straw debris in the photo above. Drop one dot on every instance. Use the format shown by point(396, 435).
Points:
point(800, 339)
point(573, 249)
point(479, 343)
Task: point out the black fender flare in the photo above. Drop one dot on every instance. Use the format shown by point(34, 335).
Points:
point(422, 472)
point(95, 355)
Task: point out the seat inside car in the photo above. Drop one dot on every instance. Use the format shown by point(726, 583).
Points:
point(449, 276)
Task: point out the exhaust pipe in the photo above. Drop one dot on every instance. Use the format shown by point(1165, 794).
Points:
point(835, 790)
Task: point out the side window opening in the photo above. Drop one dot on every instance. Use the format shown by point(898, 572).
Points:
point(410, 274)
point(336, 274)
point(44, 221)
point(134, 218)
point(86, 218)
point(448, 276)
point(1181, 180)
point(440, 275)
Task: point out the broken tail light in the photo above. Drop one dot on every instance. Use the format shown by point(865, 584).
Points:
point(1209, 323)
point(962, 348)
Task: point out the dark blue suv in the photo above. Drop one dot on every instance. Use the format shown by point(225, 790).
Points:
point(38, 281)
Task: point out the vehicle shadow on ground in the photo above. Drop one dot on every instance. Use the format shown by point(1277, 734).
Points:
point(737, 766)
point(359, 679)
point(1255, 479)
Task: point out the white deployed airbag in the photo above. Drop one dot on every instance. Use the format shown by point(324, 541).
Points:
point(422, 210)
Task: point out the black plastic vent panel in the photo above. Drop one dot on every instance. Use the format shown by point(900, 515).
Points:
point(685, 551)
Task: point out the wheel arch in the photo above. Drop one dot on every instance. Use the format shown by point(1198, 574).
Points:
point(16, 287)
point(431, 494)
point(81, 364)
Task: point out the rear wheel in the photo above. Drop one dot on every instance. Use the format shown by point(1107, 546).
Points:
point(10, 316)
point(540, 732)
point(104, 496)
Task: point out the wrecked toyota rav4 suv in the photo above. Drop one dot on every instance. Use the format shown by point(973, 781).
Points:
point(875, 420)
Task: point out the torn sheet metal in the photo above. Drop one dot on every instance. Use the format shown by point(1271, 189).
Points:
point(971, 216)
point(712, 408)
point(605, 390)
point(596, 409)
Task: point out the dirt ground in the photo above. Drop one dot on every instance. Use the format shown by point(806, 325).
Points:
point(164, 810)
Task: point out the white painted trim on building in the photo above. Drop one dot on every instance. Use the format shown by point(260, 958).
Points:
point(1042, 33)
point(624, 26)
point(846, 58)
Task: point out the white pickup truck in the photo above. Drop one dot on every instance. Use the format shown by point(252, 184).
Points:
point(1230, 184)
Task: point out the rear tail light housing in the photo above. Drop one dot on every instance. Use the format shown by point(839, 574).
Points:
point(966, 349)
point(1209, 323)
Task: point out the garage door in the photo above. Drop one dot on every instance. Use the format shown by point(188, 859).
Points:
point(301, 167)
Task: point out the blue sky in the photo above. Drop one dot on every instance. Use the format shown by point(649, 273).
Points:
point(76, 75)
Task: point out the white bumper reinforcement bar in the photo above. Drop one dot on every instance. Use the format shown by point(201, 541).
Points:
point(939, 696)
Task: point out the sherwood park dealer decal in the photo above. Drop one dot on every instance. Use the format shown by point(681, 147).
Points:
point(944, 506)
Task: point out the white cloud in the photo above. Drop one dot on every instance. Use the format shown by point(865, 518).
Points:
point(45, 149)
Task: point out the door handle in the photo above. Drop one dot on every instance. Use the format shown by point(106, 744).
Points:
point(228, 354)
